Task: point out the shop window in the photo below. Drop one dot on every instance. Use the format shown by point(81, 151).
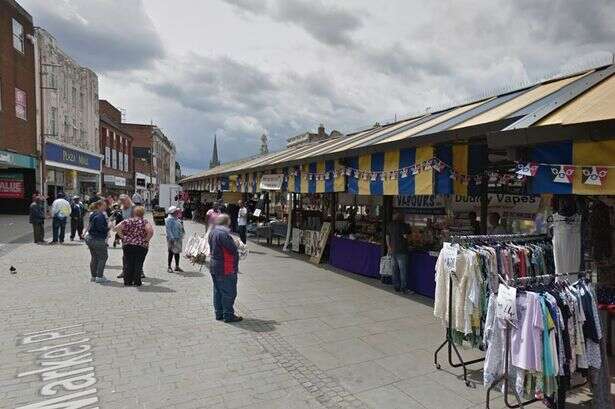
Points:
point(54, 120)
point(18, 36)
point(20, 104)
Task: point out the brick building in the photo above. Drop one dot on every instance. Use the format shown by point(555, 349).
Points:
point(154, 158)
point(116, 145)
point(70, 121)
point(19, 153)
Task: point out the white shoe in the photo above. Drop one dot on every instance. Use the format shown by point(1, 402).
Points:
point(101, 280)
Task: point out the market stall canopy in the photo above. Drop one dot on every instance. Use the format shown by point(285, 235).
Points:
point(585, 97)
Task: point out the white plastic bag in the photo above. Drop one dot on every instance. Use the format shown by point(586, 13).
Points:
point(386, 266)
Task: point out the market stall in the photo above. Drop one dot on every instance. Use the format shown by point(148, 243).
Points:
point(356, 245)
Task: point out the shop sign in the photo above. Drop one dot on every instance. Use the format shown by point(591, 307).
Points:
point(422, 204)
point(11, 186)
point(109, 178)
point(272, 182)
point(119, 181)
point(57, 153)
point(507, 205)
point(17, 160)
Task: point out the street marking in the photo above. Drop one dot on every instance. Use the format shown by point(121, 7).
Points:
point(64, 367)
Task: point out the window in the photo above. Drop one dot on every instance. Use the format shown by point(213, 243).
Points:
point(75, 97)
point(20, 104)
point(81, 97)
point(66, 124)
point(18, 37)
point(52, 80)
point(54, 120)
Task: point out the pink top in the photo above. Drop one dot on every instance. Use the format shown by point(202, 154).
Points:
point(134, 233)
point(212, 215)
point(526, 340)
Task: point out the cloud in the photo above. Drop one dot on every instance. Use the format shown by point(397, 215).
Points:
point(110, 35)
point(328, 24)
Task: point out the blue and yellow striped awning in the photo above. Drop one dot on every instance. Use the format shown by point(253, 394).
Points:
point(317, 177)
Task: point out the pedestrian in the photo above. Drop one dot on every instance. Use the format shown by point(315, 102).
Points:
point(60, 211)
point(474, 223)
point(242, 221)
point(495, 228)
point(175, 234)
point(397, 245)
point(136, 232)
point(117, 217)
point(212, 215)
point(224, 267)
point(37, 218)
point(137, 199)
point(95, 198)
point(98, 230)
point(77, 214)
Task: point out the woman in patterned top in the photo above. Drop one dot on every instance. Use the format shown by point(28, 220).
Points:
point(136, 233)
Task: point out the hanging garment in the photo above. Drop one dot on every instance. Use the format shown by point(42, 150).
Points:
point(567, 243)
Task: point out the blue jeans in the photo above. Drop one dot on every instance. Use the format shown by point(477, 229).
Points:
point(400, 271)
point(58, 226)
point(225, 292)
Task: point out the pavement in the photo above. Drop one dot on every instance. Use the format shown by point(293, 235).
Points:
point(313, 337)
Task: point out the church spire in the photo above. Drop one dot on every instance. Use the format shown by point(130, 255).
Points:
point(214, 155)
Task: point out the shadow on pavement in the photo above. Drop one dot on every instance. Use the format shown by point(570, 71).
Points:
point(256, 325)
point(152, 288)
point(189, 274)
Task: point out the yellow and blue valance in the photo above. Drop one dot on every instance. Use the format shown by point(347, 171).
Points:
point(562, 167)
point(364, 179)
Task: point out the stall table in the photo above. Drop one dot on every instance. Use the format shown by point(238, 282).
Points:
point(421, 272)
point(355, 256)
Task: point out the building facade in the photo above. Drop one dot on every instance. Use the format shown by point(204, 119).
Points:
point(154, 158)
point(116, 145)
point(19, 152)
point(70, 121)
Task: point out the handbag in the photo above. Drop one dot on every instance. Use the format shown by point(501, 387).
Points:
point(386, 266)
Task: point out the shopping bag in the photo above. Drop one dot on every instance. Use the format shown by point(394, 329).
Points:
point(386, 266)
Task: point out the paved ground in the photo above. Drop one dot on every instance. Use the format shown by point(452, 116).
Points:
point(313, 338)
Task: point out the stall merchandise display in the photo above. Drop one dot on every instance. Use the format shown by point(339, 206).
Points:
point(311, 239)
point(554, 332)
point(474, 271)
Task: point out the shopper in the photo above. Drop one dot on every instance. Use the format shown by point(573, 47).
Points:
point(98, 230)
point(494, 224)
point(474, 223)
point(137, 199)
point(397, 244)
point(136, 232)
point(60, 211)
point(242, 221)
point(212, 215)
point(77, 214)
point(223, 269)
point(37, 218)
point(175, 235)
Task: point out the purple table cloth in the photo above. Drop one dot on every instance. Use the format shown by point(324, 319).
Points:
point(355, 256)
point(421, 273)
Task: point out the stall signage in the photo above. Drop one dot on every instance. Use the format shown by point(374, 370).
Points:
point(69, 156)
point(11, 186)
point(272, 182)
point(109, 178)
point(431, 204)
point(506, 205)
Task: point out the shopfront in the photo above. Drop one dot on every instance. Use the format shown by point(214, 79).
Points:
point(17, 182)
point(71, 171)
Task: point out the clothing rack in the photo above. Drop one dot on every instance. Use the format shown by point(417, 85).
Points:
point(448, 341)
point(505, 376)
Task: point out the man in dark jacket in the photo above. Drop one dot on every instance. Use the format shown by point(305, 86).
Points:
point(37, 218)
point(77, 212)
point(223, 269)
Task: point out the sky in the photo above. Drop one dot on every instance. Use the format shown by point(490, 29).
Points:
point(241, 68)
